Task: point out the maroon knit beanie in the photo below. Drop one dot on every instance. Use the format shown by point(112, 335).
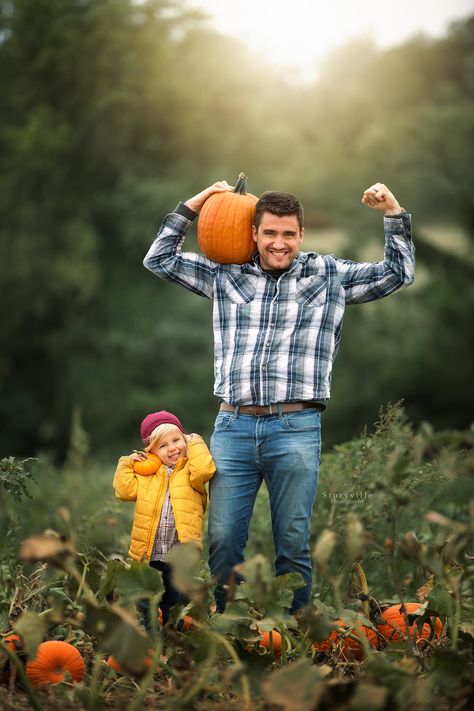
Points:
point(155, 419)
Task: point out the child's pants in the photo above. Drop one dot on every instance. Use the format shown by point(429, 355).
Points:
point(169, 599)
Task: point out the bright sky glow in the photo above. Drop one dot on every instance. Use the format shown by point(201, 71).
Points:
point(299, 33)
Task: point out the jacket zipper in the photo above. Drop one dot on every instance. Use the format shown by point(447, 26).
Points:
point(172, 505)
point(154, 528)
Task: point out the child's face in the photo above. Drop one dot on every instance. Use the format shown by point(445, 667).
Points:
point(171, 447)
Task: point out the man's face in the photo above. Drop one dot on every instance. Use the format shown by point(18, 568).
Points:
point(278, 240)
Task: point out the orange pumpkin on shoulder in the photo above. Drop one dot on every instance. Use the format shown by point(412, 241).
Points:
point(147, 466)
point(225, 225)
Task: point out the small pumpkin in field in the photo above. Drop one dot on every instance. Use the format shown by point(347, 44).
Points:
point(269, 638)
point(147, 466)
point(54, 661)
point(344, 645)
point(393, 626)
point(188, 623)
point(225, 225)
point(265, 643)
point(13, 642)
point(113, 664)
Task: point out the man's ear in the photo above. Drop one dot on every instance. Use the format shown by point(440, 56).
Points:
point(302, 233)
point(254, 233)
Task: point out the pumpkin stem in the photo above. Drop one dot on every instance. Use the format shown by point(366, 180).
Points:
point(241, 185)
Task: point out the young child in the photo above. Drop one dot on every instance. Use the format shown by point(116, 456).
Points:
point(170, 499)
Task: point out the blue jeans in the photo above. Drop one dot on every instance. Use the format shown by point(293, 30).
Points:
point(284, 450)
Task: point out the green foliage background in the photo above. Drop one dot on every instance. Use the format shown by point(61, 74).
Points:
point(112, 111)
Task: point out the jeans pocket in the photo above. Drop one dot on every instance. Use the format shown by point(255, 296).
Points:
point(223, 421)
point(305, 421)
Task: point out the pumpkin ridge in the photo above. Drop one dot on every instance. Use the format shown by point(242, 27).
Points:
point(222, 220)
point(232, 218)
point(238, 220)
point(250, 217)
point(210, 224)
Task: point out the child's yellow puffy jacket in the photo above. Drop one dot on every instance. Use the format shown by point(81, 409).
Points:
point(187, 493)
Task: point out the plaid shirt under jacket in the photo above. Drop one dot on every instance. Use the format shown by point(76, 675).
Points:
point(166, 535)
point(275, 340)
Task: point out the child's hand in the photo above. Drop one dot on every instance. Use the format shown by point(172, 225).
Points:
point(138, 456)
point(193, 437)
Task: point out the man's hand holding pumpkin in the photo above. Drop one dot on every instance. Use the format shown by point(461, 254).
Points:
point(195, 203)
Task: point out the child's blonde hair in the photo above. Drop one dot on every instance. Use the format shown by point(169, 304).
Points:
point(161, 431)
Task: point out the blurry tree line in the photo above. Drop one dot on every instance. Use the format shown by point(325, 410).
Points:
point(113, 110)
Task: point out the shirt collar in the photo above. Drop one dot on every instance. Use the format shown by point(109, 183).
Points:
point(254, 267)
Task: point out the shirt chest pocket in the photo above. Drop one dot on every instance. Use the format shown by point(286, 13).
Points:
point(311, 291)
point(241, 288)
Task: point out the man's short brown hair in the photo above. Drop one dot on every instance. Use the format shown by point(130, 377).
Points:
point(279, 204)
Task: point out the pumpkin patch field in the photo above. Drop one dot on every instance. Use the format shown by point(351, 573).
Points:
point(390, 624)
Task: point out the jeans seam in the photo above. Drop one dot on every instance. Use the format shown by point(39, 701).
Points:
point(251, 504)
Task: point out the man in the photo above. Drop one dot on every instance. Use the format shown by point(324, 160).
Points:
point(277, 326)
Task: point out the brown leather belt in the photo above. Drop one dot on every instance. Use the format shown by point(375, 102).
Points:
point(273, 409)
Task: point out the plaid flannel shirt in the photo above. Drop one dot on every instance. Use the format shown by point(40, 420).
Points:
point(166, 535)
point(275, 340)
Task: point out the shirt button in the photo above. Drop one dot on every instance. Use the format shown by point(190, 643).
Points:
point(267, 345)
